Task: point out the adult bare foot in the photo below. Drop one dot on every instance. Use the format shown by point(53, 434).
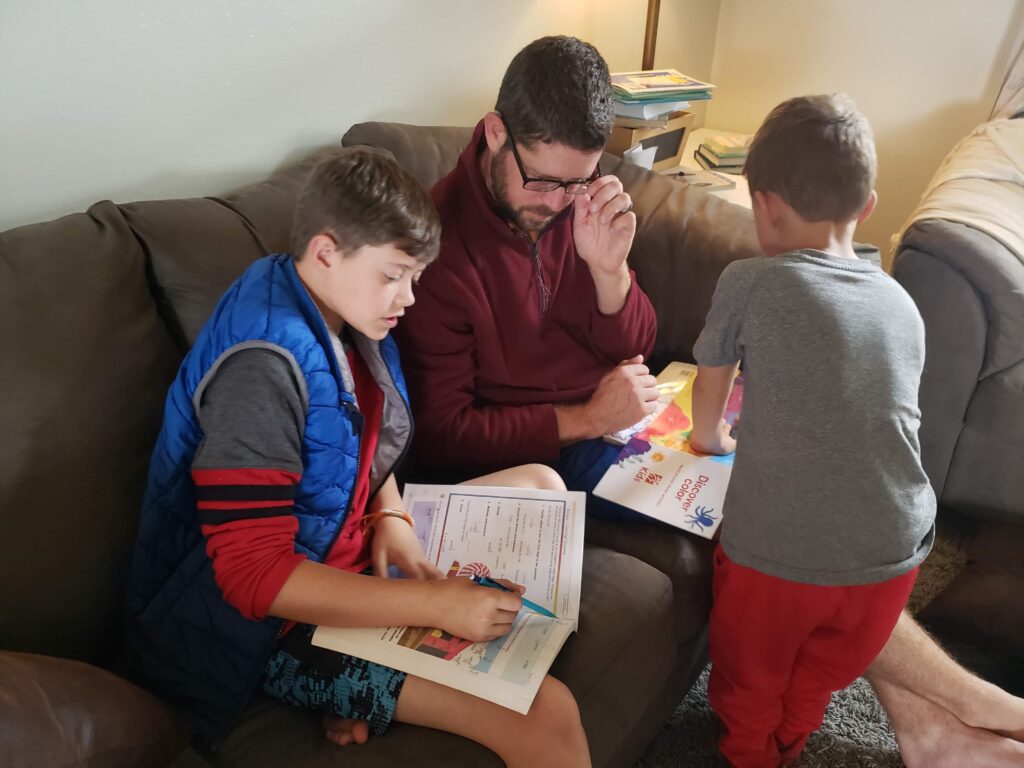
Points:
point(998, 711)
point(913, 662)
point(960, 745)
point(343, 731)
point(929, 736)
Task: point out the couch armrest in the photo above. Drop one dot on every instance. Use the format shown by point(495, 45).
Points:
point(969, 289)
point(990, 269)
point(61, 712)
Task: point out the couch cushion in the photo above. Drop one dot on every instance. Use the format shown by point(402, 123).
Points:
point(196, 248)
point(428, 153)
point(66, 713)
point(685, 237)
point(86, 366)
point(683, 557)
point(269, 206)
point(618, 661)
point(61, 713)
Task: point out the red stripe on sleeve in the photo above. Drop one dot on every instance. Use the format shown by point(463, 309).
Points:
point(246, 476)
point(285, 504)
point(252, 556)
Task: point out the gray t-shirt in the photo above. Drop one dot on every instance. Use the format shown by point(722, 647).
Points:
point(827, 487)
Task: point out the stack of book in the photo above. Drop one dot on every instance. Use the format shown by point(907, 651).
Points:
point(723, 153)
point(649, 98)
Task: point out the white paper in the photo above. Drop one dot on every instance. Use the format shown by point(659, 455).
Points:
point(640, 156)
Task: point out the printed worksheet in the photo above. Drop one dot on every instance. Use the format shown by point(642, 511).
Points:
point(530, 537)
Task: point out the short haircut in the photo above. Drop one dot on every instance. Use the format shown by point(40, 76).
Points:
point(360, 196)
point(557, 89)
point(818, 154)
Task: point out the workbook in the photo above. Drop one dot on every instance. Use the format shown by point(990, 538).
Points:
point(530, 537)
point(659, 474)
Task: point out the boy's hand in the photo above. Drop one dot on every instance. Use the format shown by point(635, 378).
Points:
point(720, 443)
point(395, 543)
point(476, 613)
point(624, 396)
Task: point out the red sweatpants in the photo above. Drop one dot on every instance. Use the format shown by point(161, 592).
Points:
point(780, 648)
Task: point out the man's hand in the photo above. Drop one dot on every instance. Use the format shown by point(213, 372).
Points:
point(719, 443)
point(603, 227)
point(624, 396)
point(473, 612)
point(395, 543)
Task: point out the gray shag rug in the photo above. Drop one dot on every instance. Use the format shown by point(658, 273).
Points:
point(855, 734)
point(856, 731)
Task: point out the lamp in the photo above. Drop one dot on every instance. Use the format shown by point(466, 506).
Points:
point(668, 139)
point(650, 33)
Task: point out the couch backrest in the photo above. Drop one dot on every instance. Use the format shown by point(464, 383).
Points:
point(98, 308)
point(684, 240)
point(96, 311)
point(86, 362)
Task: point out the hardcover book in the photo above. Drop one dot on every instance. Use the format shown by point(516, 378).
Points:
point(648, 110)
point(721, 161)
point(728, 146)
point(656, 82)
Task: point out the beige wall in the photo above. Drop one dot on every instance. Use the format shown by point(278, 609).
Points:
point(147, 99)
point(923, 71)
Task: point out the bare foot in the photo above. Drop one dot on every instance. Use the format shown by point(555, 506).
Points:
point(1005, 716)
point(343, 731)
point(947, 742)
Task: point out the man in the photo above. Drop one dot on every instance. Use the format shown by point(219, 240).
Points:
point(527, 339)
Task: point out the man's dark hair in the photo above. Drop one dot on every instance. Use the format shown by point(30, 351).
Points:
point(360, 196)
point(818, 154)
point(557, 89)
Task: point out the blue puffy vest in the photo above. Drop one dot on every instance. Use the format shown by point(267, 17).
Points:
point(186, 641)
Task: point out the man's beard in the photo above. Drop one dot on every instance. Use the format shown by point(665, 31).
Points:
point(529, 218)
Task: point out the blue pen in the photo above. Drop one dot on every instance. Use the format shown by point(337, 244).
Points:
point(483, 581)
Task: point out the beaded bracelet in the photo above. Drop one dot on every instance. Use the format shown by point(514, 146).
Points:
point(373, 518)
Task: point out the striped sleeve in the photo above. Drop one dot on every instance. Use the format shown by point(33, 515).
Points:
point(245, 473)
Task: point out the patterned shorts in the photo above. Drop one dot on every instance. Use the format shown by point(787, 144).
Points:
point(308, 676)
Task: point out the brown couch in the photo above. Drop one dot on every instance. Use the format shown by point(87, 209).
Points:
point(97, 310)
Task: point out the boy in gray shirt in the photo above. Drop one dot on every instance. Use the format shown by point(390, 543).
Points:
point(829, 513)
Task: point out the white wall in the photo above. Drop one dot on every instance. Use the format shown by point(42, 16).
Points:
point(132, 99)
point(924, 72)
point(137, 99)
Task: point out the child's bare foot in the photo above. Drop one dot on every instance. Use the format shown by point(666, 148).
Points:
point(343, 731)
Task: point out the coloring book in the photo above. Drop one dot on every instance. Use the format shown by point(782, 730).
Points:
point(660, 475)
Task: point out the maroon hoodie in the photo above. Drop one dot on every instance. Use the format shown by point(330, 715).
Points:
point(491, 343)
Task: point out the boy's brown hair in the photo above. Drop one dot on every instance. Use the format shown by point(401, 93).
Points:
point(818, 154)
point(361, 197)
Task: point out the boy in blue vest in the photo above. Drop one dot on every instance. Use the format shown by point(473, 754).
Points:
point(271, 496)
point(829, 513)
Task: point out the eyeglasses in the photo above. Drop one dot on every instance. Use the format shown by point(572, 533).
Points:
point(571, 187)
